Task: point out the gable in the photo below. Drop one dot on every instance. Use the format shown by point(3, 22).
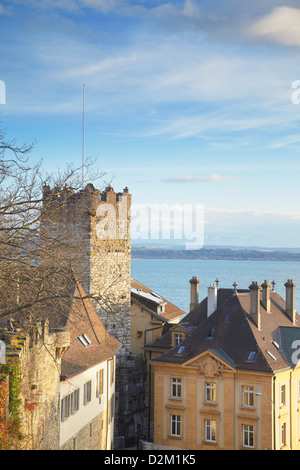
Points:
point(211, 363)
point(177, 328)
point(290, 343)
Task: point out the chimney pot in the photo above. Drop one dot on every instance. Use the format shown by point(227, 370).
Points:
point(194, 292)
point(255, 303)
point(212, 299)
point(266, 295)
point(290, 300)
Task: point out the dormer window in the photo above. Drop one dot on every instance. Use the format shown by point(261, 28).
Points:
point(177, 338)
point(211, 332)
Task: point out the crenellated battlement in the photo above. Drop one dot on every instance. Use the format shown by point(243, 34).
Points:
point(67, 195)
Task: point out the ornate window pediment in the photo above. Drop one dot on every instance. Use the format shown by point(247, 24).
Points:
point(209, 365)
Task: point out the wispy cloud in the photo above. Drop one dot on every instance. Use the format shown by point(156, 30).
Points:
point(254, 213)
point(233, 188)
point(198, 179)
point(286, 141)
point(104, 6)
point(5, 10)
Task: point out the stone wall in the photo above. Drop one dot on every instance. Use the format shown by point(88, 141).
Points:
point(131, 410)
point(37, 352)
point(91, 437)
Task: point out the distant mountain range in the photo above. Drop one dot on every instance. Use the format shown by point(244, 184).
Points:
point(221, 253)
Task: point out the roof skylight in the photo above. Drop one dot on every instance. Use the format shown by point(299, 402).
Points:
point(251, 355)
point(272, 355)
point(85, 340)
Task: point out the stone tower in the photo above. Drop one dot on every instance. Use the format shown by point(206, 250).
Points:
point(91, 231)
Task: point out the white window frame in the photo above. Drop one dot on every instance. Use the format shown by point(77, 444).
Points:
point(210, 392)
point(248, 396)
point(247, 434)
point(70, 404)
point(175, 425)
point(176, 387)
point(178, 337)
point(210, 430)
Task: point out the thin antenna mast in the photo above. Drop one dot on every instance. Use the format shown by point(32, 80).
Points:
point(83, 139)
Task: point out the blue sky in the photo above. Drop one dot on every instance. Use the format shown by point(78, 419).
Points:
point(186, 102)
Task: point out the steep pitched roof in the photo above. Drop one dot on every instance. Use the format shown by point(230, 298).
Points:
point(230, 329)
point(90, 342)
point(145, 296)
point(190, 321)
point(71, 310)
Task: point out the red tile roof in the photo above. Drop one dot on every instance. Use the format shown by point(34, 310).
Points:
point(71, 309)
point(82, 319)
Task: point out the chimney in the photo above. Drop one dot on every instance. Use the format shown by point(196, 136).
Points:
point(255, 303)
point(194, 292)
point(266, 295)
point(290, 300)
point(211, 299)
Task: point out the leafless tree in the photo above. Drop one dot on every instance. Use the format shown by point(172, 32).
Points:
point(31, 258)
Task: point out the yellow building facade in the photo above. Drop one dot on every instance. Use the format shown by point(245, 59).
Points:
point(233, 383)
point(149, 313)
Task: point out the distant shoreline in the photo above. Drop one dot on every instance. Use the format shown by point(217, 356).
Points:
point(220, 254)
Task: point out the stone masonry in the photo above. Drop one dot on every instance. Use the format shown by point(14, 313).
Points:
point(37, 350)
point(90, 231)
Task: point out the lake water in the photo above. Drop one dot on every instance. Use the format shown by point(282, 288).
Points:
point(170, 278)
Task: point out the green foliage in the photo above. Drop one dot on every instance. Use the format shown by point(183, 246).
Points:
point(11, 429)
point(14, 391)
point(12, 369)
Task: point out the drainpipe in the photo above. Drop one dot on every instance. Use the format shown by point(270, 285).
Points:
point(107, 379)
point(274, 411)
point(290, 414)
point(234, 424)
point(150, 397)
